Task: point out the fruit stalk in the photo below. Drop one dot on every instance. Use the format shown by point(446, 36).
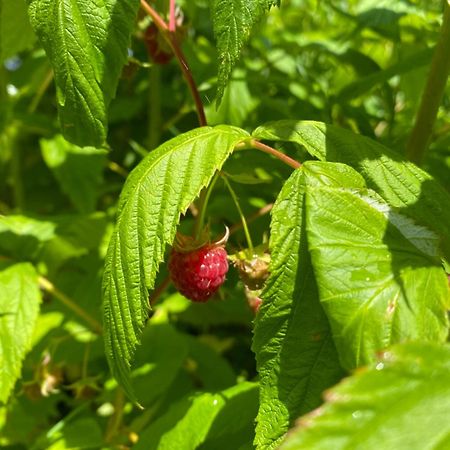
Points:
point(203, 203)
point(241, 214)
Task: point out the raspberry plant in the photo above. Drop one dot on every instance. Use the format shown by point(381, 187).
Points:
point(323, 148)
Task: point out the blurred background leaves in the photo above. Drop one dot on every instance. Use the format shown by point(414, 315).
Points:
point(359, 64)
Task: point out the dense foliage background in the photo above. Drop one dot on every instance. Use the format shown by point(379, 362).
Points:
point(358, 64)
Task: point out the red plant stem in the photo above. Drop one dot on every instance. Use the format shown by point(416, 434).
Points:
point(175, 46)
point(159, 22)
point(172, 21)
point(281, 156)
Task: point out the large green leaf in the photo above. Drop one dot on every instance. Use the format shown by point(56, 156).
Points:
point(379, 274)
point(205, 421)
point(154, 196)
point(77, 169)
point(402, 184)
point(295, 353)
point(19, 307)
point(16, 33)
point(399, 403)
point(86, 42)
point(233, 21)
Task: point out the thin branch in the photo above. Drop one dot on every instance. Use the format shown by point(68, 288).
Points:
point(49, 287)
point(205, 195)
point(432, 95)
point(159, 22)
point(241, 214)
point(281, 156)
point(261, 212)
point(40, 92)
point(175, 46)
point(114, 167)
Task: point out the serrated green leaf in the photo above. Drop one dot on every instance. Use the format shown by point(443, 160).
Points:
point(379, 275)
point(86, 42)
point(19, 307)
point(295, 353)
point(233, 21)
point(77, 169)
point(400, 403)
point(154, 196)
point(217, 418)
point(402, 184)
point(16, 33)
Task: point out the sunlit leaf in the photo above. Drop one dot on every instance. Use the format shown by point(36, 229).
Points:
point(86, 42)
point(233, 21)
point(19, 307)
point(155, 194)
point(220, 420)
point(402, 184)
point(401, 401)
point(379, 274)
point(295, 353)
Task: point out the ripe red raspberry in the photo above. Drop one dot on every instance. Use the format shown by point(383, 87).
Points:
point(198, 274)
